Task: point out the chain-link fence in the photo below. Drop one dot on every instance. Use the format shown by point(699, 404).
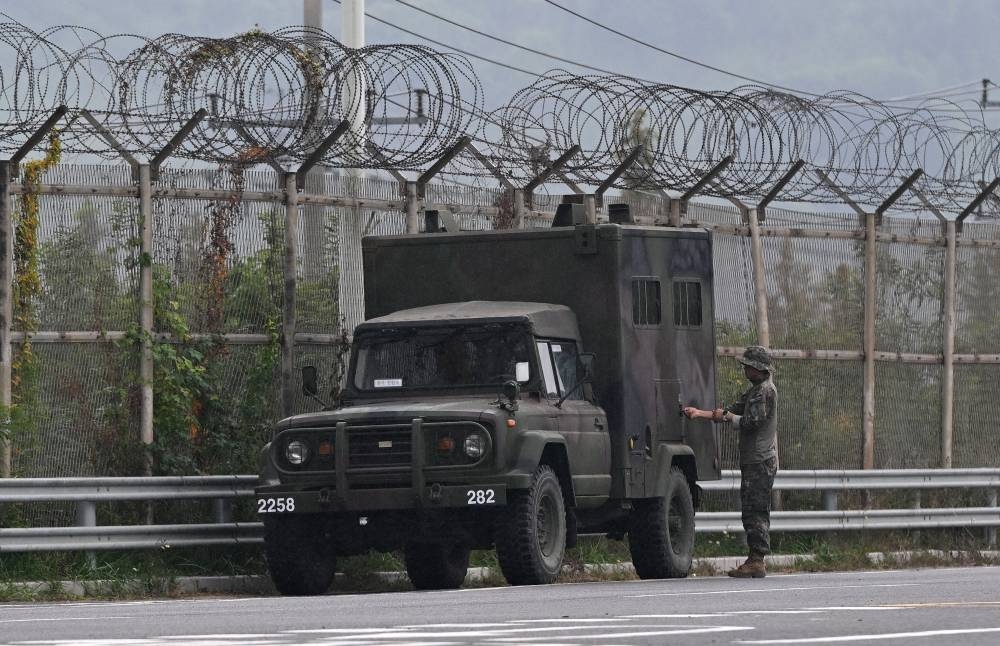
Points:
point(217, 267)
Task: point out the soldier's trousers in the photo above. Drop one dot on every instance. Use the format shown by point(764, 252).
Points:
point(755, 503)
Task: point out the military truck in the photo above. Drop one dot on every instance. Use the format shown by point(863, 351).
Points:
point(511, 390)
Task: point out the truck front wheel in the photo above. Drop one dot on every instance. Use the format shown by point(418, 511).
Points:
point(661, 532)
point(299, 557)
point(436, 566)
point(531, 533)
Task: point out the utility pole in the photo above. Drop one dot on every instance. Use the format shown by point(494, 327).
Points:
point(313, 220)
point(985, 101)
point(350, 229)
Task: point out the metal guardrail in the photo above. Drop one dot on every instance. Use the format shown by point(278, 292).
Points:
point(864, 519)
point(127, 537)
point(142, 488)
point(222, 490)
point(855, 479)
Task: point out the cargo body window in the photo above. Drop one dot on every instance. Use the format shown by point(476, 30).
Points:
point(646, 301)
point(687, 303)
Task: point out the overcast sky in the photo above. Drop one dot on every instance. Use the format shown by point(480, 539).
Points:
point(883, 49)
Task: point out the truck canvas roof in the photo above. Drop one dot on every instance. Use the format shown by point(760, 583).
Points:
point(545, 319)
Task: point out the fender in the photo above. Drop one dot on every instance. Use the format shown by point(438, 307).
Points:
point(669, 454)
point(531, 448)
point(268, 474)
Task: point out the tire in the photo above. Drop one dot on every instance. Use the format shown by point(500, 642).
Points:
point(299, 557)
point(436, 566)
point(661, 532)
point(531, 533)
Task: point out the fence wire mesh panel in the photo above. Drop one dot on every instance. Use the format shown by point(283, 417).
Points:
point(908, 416)
point(815, 291)
point(910, 289)
point(977, 291)
point(976, 441)
point(87, 262)
point(819, 412)
point(735, 307)
point(74, 416)
point(722, 214)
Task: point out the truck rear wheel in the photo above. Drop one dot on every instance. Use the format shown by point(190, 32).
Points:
point(299, 558)
point(436, 566)
point(661, 532)
point(531, 533)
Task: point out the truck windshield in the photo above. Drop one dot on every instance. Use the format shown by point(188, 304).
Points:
point(468, 356)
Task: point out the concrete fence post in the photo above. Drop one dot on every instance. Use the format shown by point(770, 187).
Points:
point(6, 312)
point(290, 268)
point(146, 313)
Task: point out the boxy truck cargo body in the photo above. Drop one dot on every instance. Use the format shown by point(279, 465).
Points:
point(643, 299)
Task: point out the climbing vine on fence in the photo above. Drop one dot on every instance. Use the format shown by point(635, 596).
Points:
point(27, 289)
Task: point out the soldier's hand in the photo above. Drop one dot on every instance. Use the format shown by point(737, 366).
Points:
point(717, 415)
point(691, 412)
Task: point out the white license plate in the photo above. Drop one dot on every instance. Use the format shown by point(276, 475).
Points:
point(275, 505)
point(481, 496)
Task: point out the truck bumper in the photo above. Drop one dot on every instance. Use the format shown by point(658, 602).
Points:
point(276, 499)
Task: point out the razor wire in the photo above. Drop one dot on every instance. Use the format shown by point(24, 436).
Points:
point(865, 147)
point(277, 95)
point(267, 95)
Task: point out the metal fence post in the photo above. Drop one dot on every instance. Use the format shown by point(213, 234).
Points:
point(222, 510)
point(948, 379)
point(86, 516)
point(590, 208)
point(674, 219)
point(412, 208)
point(760, 287)
point(288, 302)
point(871, 285)
point(991, 533)
point(518, 208)
point(6, 312)
point(146, 312)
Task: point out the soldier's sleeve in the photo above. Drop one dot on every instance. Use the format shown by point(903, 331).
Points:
point(760, 407)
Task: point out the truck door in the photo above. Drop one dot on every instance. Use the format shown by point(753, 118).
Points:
point(581, 422)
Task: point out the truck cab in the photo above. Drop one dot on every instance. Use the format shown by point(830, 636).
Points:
point(511, 391)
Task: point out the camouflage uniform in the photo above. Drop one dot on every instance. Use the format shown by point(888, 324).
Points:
point(755, 416)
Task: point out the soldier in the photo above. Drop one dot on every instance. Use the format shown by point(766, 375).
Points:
point(755, 416)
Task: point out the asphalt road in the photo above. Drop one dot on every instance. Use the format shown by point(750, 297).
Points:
point(933, 606)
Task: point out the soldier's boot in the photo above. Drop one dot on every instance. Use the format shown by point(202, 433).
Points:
point(752, 568)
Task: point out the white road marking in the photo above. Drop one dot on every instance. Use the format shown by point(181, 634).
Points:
point(650, 633)
point(350, 631)
point(497, 633)
point(873, 636)
point(728, 613)
point(51, 619)
point(568, 620)
point(746, 590)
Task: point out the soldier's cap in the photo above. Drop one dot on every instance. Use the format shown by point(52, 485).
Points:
point(757, 356)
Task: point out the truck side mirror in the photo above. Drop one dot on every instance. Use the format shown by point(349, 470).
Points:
point(511, 391)
point(585, 366)
point(309, 381)
point(522, 372)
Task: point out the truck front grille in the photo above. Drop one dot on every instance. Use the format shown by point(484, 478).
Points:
point(380, 446)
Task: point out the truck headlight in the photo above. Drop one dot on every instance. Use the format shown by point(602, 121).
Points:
point(474, 446)
point(297, 452)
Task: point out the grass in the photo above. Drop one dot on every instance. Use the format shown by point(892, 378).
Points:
point(138, 575)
